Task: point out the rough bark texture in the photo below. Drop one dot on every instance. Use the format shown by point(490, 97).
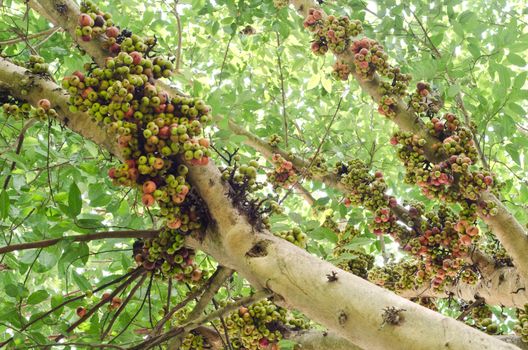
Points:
point(508, 230)
point(316, 340)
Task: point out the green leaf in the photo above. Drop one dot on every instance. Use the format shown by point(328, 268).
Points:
point(11, 290)
point(313, 82)
point(81, 281)
point(453, 90)
point(513, 151)
point(74, 200)
point(327, 84)
point(519, 80)
point(4, 204)
point(323, 233)
point(516, 60)
point(504, 75)
point(37, 297)
point(18, 291)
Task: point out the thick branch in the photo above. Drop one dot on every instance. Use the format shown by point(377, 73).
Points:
point(300, 279)
point(316, 340)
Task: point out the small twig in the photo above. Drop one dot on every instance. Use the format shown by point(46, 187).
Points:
point(213, 285)
point(211, 288)
point(305, 194)
point(123, 305)
point(478, 302)
point(226, 333)
point(225, 58)
point(150, 300)
point(57, 307)
point(20, 142)
point(135, 315)
point(169, 292)
point(80, 345)
point(48, 162)
point(19, 39)
point(327, 131)
point(96, 307)
point(177, 307)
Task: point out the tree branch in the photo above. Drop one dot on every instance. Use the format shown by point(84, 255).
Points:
point(123, 305)
point(80, 238)
point(213, 285)
point(189, 326)
point(283, 92)
point(20, 142)
point(49, 31)
point(138, 272)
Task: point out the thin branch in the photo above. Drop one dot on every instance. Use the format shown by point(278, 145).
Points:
point(179, 306)
point(211, 288)
point(57, 307)
point(19, 39)
point(80, 345)
point(305, 194)
point(169, 292)
point(213, 285)
point(20, 142)
point(187, 327)
point(226, 333)
point(80, 238)
point(135, 315)
point(123, 305)
point(224, 59)
point(92, 310)
point(478, 302)
point(327, 131)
